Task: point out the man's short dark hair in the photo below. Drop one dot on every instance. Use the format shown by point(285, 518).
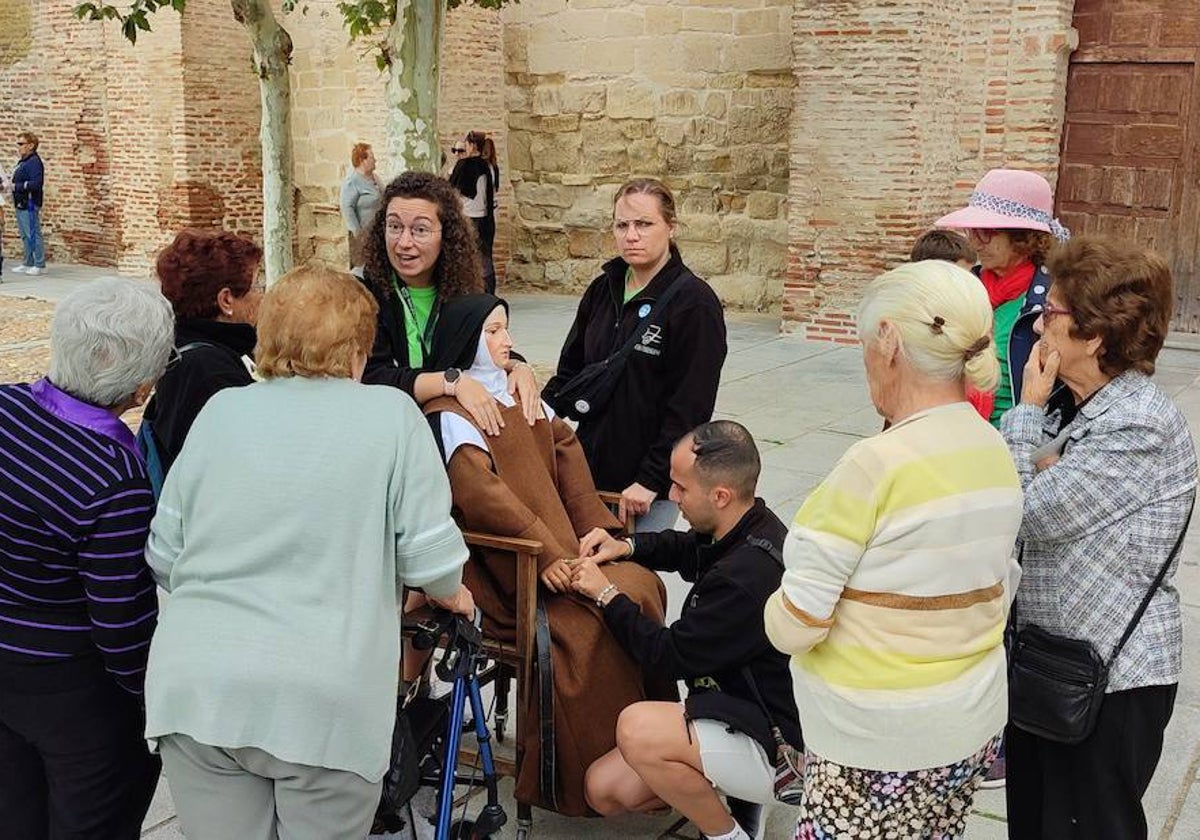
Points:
point(942, 245)
point(726, 455)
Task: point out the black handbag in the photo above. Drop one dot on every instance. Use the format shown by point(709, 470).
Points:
point(1056, 684)
point(586, 394)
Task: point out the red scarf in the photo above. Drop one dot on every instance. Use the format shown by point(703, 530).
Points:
point(1009, 287)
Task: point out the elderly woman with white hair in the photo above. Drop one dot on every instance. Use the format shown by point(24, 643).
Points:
point(899, 574)
point(77, 602)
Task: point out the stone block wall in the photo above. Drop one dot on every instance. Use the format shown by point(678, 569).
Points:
point(338, 100)
point(697, 94)
point(899, 109)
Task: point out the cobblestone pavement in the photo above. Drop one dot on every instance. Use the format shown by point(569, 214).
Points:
point(805, 403)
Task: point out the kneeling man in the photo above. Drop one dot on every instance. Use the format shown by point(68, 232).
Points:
point(720, 740)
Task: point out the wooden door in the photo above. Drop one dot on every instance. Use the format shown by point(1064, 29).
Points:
point(1131, 142)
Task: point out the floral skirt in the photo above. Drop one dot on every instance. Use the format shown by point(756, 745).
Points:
point(849, 802)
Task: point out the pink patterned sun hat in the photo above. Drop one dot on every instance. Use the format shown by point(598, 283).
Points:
point(1008, 199)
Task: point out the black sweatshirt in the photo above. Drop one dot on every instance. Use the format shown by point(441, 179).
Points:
point(721, 628)
point(669, 385)
point(192, 379)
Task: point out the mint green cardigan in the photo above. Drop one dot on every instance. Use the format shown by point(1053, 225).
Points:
point(286, 527)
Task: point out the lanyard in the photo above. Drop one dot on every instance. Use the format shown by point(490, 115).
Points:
point(426, 340)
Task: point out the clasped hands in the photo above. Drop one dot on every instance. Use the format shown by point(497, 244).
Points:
point(582, 574)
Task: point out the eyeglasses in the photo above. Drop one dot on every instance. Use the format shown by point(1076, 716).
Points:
point(1050, 312)
point(458, 150)
point(621, 228)
point(420, 232)
point(983, 235)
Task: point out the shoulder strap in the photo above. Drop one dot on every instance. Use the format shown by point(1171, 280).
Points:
point(774, 553)
point(1158, 579)
point(640, 329)
point(768, 547)
point(192, 345)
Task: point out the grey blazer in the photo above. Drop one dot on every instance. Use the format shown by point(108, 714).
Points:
point(1100, 522)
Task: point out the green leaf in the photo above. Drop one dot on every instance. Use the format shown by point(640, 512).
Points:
point(140, 20)
point(129, 30)
point(178, 5)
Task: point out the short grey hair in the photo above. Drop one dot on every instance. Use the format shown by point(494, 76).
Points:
point(110, 337)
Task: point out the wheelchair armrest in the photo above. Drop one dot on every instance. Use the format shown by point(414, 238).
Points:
point(613, 500)
point(533, 548)
point(527, 553)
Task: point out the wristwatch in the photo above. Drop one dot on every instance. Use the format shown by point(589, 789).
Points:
point(450, 381)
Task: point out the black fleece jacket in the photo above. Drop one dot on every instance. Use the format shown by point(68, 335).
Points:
point(721, 628)
point(193, 378)
point(669, 385)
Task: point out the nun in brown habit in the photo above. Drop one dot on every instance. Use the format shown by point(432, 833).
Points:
point(533, 482)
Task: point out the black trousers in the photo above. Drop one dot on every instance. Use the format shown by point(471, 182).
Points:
point(1092, 790)
point(73, 763)
point(486, 228)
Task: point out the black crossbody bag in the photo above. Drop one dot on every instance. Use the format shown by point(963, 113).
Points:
point(1056, 684)
point(586, 394)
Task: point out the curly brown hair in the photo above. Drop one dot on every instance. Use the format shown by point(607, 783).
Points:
point(459, 269)
point(1035, 245)
point(1118, 291)
point(199, 263)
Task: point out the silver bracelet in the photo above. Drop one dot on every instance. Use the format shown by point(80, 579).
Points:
point(612, 587)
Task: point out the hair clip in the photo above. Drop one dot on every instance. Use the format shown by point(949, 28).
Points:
point(938, 323)
point(978, 347)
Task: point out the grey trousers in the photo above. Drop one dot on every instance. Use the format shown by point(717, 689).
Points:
point(662, 516)
point(249, 794)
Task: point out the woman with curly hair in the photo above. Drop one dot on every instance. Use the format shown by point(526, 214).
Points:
point(422, 253)
point(211, 280)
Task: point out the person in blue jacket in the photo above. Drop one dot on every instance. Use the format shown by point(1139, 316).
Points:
point(27, 182)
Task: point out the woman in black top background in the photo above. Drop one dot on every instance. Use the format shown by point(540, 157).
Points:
point(473, 176)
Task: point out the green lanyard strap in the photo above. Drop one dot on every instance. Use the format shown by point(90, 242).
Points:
point(406, 299)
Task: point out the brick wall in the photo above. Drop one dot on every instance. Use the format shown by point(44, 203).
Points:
point(472, 99)
point(899, 109)
point(696, 94)
point(53, 72)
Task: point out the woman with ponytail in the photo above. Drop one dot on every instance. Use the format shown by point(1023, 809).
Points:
point(899, 575)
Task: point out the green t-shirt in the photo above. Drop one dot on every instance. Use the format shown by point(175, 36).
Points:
point(630, 294)
point(416, 319)
point(1003, 319)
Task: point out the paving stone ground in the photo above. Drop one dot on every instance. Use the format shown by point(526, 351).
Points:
point(805, 402)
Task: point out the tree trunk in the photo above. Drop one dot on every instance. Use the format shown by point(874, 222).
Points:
point(272, 55)
point(413, 43)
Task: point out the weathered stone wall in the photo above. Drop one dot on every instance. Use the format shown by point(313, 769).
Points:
point(698, 94)
point(338, 100)
point(899, 109)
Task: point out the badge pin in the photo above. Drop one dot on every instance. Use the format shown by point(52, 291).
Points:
point(582, 406)
point(644, 310)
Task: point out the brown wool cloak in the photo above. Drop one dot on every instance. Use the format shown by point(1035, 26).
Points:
point(536, 485)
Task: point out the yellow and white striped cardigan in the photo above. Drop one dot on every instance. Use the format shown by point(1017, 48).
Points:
point(893, 605)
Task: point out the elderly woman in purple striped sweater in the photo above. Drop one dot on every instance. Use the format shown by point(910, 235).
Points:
point(77, 603)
